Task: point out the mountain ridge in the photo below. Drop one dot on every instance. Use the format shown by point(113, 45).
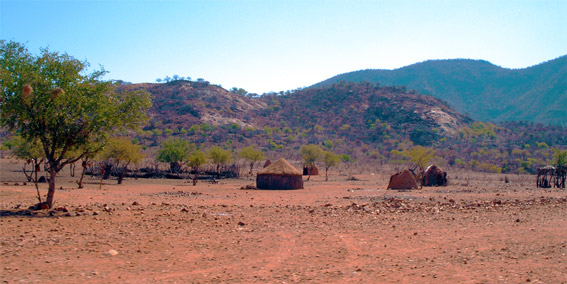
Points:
point(481, 89)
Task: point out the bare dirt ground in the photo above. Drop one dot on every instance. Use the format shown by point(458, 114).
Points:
point(477, 230)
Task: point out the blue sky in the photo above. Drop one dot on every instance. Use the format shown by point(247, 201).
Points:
point(264, 46)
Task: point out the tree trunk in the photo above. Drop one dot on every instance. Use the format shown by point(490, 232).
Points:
point(51, 191)
point(120, 174)
point(80, 182)
point(251, 167)
point(326, 176)
point(196, 177)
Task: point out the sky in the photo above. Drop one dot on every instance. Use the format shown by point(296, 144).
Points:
point(264, 46)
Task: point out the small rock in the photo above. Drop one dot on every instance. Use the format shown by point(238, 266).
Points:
point(96, 213)
point(241, 224)
point(135, 203)
point(111, 252)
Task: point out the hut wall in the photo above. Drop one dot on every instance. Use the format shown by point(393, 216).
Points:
point(268, 181)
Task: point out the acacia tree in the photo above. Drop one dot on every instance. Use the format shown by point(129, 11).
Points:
point(420, 155)
point(252, 155)
point(175, 151)
point(329, 159)
point(219, 156)
point(560, 158)
point(53, 99)
point(120, 153)
point(310, 153)
point(196, 159)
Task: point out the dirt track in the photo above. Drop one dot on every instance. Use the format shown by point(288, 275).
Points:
point(481, 230)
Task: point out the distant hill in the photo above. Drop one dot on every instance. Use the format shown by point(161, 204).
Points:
point(484, 91)
point(358, 111)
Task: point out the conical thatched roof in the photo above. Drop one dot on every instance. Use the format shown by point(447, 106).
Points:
point(280, 167)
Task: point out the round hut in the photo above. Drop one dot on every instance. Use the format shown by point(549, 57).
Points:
point(434, 176)
point(403, 180)
point(279, 175)
point(310, 170)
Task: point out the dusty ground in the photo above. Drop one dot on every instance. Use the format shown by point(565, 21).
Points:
point(478, 230)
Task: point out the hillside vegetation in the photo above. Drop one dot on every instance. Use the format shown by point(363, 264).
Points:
point(482, 90)
point(372, 124)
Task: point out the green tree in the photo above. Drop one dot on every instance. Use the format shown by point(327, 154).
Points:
point(560, 158)
point(120, 153)
point(219, 156)
point(329, 144)
point(196, 159)
point(420, 155)
point(310, 153)
point(51, 98)
point(329, 159)
point(176, 152)
point(252, 155)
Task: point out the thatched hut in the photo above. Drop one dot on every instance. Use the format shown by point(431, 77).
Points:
point(434, 176)
point(403, 180)
point(279, 175)
point(310, 171)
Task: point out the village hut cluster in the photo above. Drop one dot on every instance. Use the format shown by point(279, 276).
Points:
point(409, 179)
point(282, 175)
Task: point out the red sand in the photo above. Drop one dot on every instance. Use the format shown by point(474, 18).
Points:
point(478, 230)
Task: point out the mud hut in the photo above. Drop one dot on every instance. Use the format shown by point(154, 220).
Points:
point(310, 171)
point(279, 175)
point(267, 163)
point(434, 176)
point(403, 180)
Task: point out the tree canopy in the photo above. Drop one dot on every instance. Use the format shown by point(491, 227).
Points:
point(330, 159)
point(252, 155)
point(121, 152)
point(310, 153)
point(175, 151)
point(219, 156)
point(420, 155)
